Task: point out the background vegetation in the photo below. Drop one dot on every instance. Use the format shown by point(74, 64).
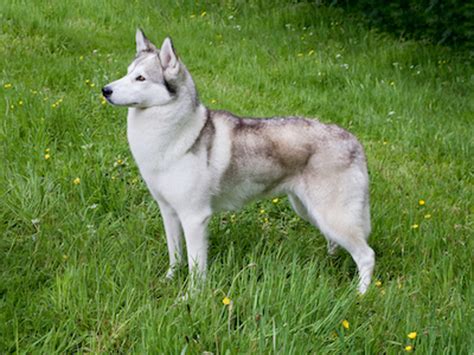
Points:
point(448, 22)
point(82, 250)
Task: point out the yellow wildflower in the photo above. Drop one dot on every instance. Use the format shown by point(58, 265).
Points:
point(192, 16)
point(276, 200)
point(20, 102)
point(262, 211)
point(378, 283)
point(81, 57)
point(345, 324)
point(415, 226)
point(76, 181)
point(421, 202)
point(300, 55)
point(204, 13)
point(411, 335)
point(408, 348)
point(47, 150)
point(8, 85)
point(47, 156)
point(92, 85)
point(65, 257)
point(213, 101)
point(427, 216)
point(226, 301)
point(311, 52)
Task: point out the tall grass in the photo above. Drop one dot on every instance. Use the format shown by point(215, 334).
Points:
point(82, 261)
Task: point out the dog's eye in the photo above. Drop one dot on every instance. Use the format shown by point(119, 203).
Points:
point(140, 78)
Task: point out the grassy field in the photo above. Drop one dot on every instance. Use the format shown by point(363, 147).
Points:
point(82, 249)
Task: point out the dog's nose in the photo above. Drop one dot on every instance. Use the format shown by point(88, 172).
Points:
point(106, 91)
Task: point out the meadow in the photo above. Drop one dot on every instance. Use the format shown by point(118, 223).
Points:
point(82, 248)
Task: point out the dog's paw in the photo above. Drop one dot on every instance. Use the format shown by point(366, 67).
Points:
point(170, 273)
point(332, 248)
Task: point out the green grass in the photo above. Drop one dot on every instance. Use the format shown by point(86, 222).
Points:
point(81, 266)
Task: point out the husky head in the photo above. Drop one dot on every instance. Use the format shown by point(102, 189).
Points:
point(156, 77)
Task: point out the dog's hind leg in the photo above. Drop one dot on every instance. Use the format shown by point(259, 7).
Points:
point(345, 221)
point(301, 211)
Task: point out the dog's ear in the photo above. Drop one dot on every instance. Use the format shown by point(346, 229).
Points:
point(143, 43)
point(169, 59)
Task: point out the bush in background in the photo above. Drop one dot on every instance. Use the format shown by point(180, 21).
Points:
point(446, 22)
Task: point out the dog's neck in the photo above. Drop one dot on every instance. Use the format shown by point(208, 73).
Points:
point(164, 133)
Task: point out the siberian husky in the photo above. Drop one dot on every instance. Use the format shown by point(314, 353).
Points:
point(196, 161)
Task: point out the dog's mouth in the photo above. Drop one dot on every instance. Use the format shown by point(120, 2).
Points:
point(110, 101)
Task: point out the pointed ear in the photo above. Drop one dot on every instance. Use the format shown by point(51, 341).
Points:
point(169, 59)
point(143, 43)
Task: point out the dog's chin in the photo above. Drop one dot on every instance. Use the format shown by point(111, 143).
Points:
point(121, 104)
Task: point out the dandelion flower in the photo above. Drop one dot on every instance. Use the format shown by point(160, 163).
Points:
point(415, 226)
point(8, 85)
point(421, 202)
point(20, 102)
point(76, 181)
point(411, 335)
point(378, 283)
point(408, 348)
point(47, 150)
point(47, 156)
point(427, 216)
point(213, 101)
point(345, 324)
point(262, 211)
point(226, 301)
point(276, 200)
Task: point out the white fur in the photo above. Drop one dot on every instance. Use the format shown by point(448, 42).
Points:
point(187, 185)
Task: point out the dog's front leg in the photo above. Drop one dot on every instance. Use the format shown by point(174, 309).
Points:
point(174, 233)
point(195, 233)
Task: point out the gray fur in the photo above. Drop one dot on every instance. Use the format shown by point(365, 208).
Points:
point(197, 161)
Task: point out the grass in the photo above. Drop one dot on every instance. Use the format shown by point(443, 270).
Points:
point(82, 264)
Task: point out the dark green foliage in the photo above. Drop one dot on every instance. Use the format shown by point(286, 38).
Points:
point(449, 22)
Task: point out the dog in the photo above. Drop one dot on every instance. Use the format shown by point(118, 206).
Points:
point(196, 161)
